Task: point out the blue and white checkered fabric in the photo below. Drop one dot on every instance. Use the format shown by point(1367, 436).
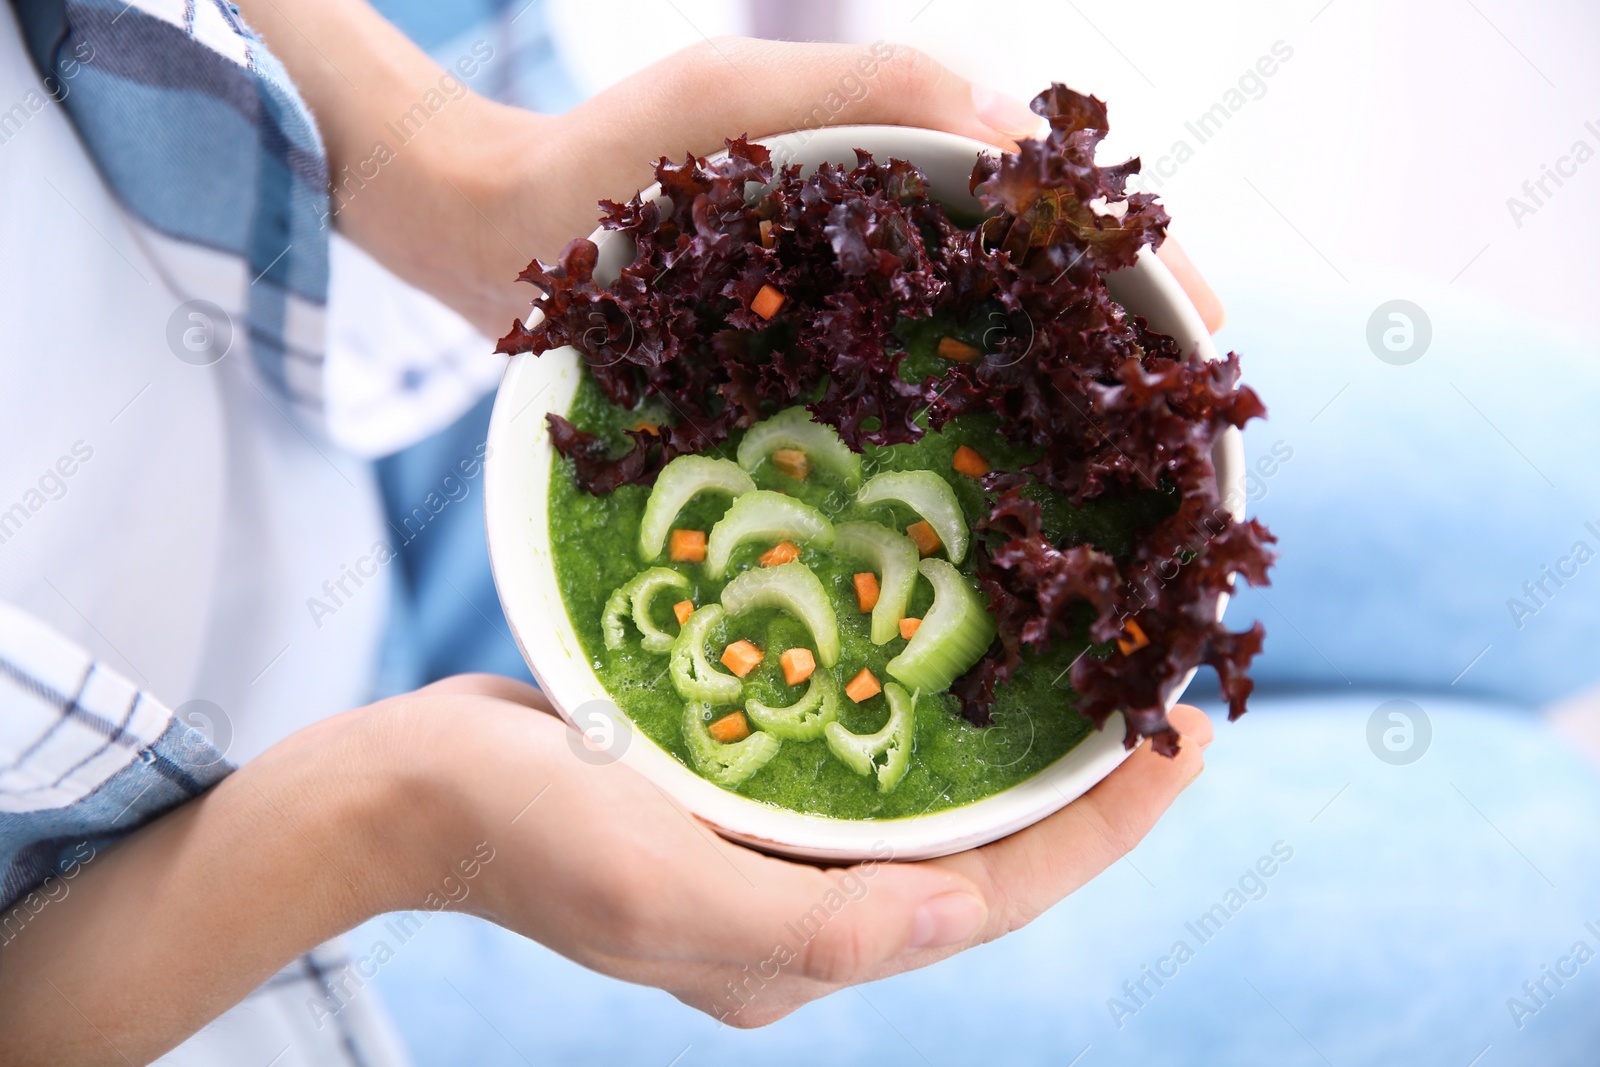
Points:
point(204, 140)
point(85, 757)
point(219, 169)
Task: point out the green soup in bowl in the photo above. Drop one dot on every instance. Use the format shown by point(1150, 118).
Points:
point(561, 555)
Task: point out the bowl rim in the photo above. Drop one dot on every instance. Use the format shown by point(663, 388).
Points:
point(516, 493)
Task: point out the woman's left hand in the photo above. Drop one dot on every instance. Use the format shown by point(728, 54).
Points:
point(477, 190)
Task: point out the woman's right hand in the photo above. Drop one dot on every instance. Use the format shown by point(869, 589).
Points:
point(468, 795)
point(597, 863)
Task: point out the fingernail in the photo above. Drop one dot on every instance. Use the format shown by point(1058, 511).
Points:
point(947, 919)
point(1187, 782)
point(1005, 113)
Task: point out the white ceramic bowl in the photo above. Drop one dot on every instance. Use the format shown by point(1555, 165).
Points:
point(517, 491)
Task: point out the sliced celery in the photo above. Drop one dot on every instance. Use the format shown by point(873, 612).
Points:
point(888, 752)
point(764, 516)
point(633, 597)
point(805, 719)
point(692, 674)
point(794, 428)
point(678, 483)
point(954, 634)
point(930, 496)
point(795, 589)
point(894, 557)
point(726, 765)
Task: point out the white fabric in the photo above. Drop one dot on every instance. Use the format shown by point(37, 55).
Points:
point(198, 519)
point(209, 27)
point(170, 519)
point(50, 762)
point(193, 271)
point(400, 365)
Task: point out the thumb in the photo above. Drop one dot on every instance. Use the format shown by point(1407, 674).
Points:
point(877, 912)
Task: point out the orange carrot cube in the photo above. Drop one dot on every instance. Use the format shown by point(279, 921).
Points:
point(792, 462)
point(959, 351)
point(780, 553)
point(683, 609)
point(741, 658)
point(863, 687)
point(923, 537)
point(798, 665)
point(909, 627)
point(969, 461)
point(767, 302)
point(1135, 640)
point(730, 728)
point(867, 590)
point(765, 227)
point(687, 546)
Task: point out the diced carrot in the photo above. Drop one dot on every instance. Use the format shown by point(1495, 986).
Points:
point(1139, 639)
point(922, 536)
point(766, 233)
point(780, 553)
point(797, 663)
point(683, 609)
point(959, 351)
point(687, 546)
point(792, 462)
point(767, 302)
point(867, 590)
point(969, 461)
point(730, 728)
point(909, 627)
point(741, 657)
point(863, 687)
point(648, 427)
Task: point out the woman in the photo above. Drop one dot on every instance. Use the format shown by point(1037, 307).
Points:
point(168, 184)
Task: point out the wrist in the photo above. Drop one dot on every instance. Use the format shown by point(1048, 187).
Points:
point(444, 798)
point(471, 218)
point(392, 804)
point(336, 787)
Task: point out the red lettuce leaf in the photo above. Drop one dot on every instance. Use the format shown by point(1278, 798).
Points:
point(1110, 407)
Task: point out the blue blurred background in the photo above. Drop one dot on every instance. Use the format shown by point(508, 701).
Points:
point(1442, 850)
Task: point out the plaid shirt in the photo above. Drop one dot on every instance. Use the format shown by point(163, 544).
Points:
point(202, 138)
point(87, 757)
point(218, 163)
point(205, 141)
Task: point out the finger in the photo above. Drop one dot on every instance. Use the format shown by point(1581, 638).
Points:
point(905, 910)
point(1026, 873)
point(1200, 293)
point(491, 685)
point(836, 926)
point(907, 922)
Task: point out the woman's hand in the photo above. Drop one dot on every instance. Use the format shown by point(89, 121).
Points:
point(693, 100)
point(544, 193)
point(607, 870)
point(467, 795)
point(461, 207)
